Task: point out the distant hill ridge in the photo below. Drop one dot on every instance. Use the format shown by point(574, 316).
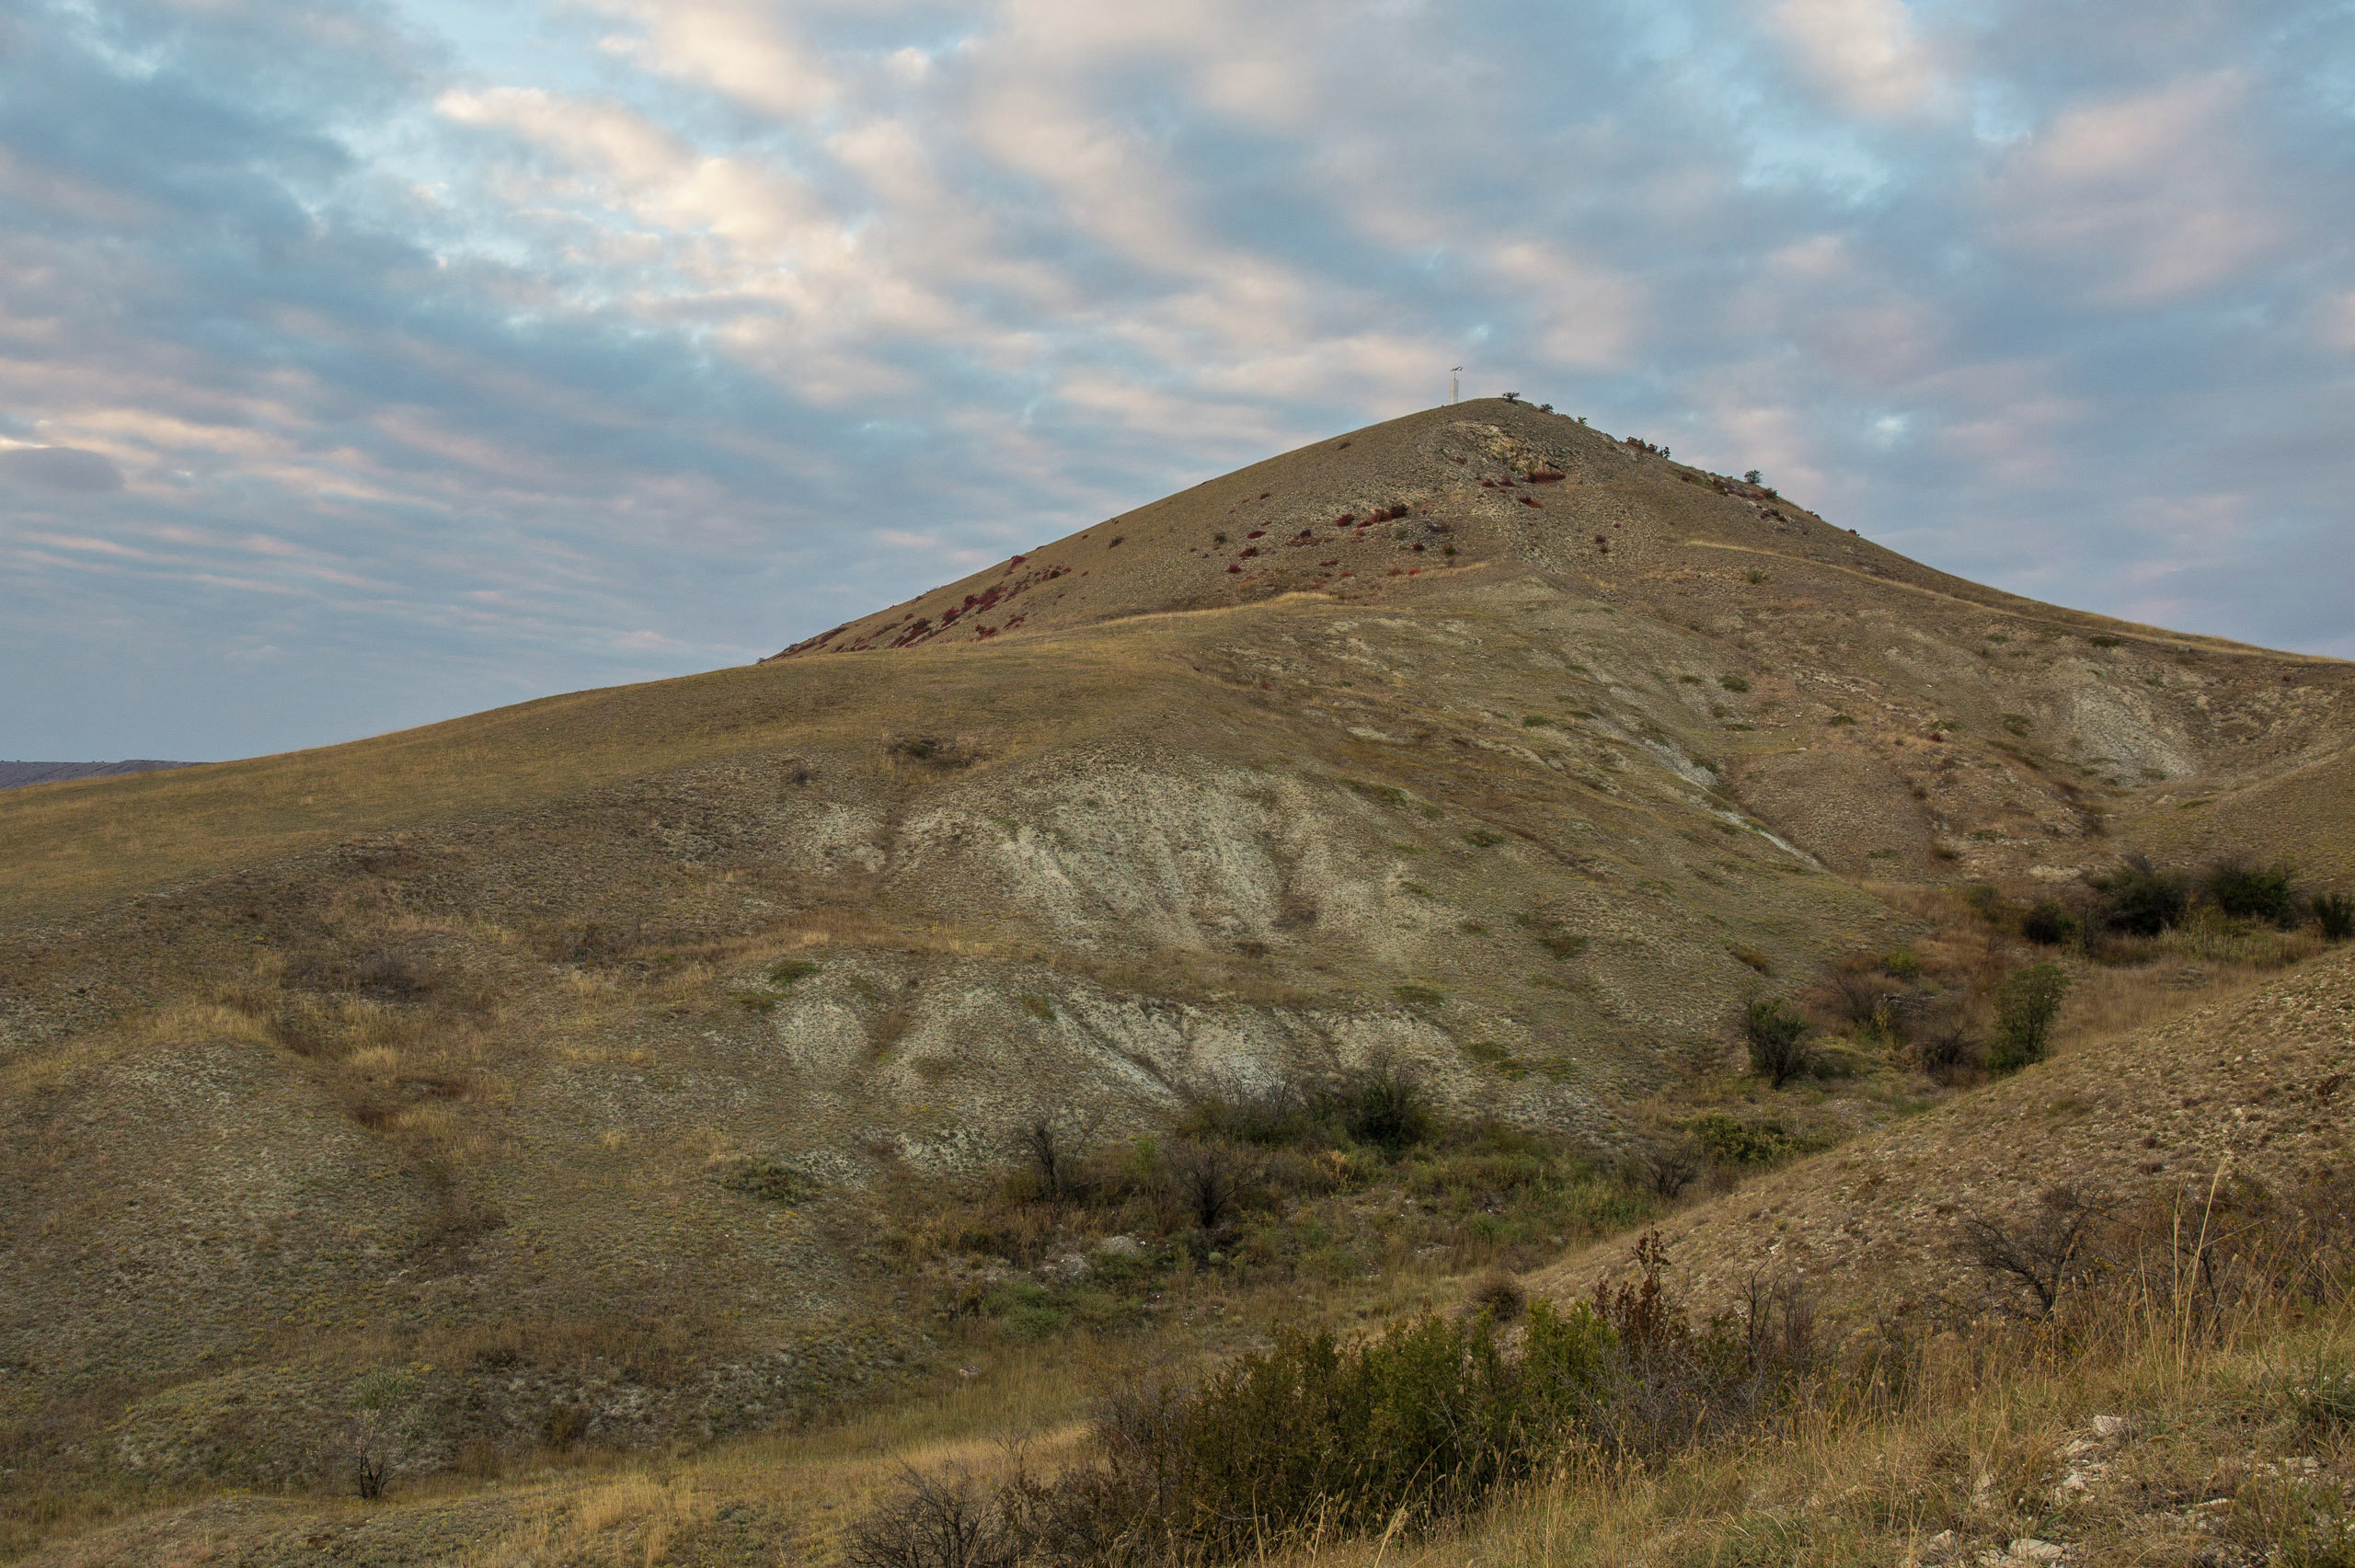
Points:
point(13, 774)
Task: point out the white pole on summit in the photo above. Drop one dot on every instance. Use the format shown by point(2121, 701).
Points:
point(1452, 398)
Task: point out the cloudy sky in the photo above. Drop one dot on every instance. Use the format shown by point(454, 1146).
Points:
point(367, 364)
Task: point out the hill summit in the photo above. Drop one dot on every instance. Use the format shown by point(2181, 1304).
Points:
point(1485, 481)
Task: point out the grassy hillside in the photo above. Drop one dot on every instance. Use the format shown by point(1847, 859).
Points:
point(640, 1069)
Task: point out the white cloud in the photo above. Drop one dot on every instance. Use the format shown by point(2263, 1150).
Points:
point(2155, 196)
point(1865, 53)
point(742, 49)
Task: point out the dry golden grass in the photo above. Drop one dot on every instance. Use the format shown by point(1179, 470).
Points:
point(164, 1029)
point(1977, 1445)
point(626, 1522)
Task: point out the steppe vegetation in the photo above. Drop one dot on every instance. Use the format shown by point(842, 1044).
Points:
point(1560, 1008)
point(2178, 1386)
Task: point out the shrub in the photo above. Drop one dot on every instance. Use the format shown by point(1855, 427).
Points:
point(2251, 892)
point(376, 1430)
point(941, 1520)
point(770, 1179)
point(1384, 1107)
point(1733, 684)
point(1054, 1149)
point(2335, 912)
point(1736, 1142)
point(2141, 899)
point(2049, 924)
point(2323, 1394)
point(938, 750)
point(1946, 1052)
point(2046, 1251)
point(1400, 1432)
point(2027, 1003)
point(1860, 999)
point(1500, 1295)
point(1206, 1183)
point(1777, 1041)
point(1417, 1425)
point(1670, 1166)
point(1276, 1115)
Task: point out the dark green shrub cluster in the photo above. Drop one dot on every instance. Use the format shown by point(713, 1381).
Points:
point(2142, 900)
point(2335, 913)
point(2048, 924)
point(1777, 1040)
point(1382, 1107)
point(1421, 1425)
point(2246, 891)
point(2028, 1003)
point(1730, 1140)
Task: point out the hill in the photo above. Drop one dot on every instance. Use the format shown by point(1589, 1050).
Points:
point(578, 1053)
point(14, 775)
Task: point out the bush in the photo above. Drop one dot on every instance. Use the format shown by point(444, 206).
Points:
point(1670, 1165)
point(1860, 999)
point(2027, 1003)
point(2251, 892)
point(2335, 912)
point(1055, 1150)
point(1206, 1183)
point(764, 1177)
point(2142, 900)
point(1276, 1115)
point(1732, 1141)
point(1777, 1041)
point(1383, 1106)
point(1947, 1054)
point(1500, 1295)
point(2049, 924)
point(2048, 1250)
point(1421, 1425)
point(936, 1521)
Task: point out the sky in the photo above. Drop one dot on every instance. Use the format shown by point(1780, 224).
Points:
point(367, 362)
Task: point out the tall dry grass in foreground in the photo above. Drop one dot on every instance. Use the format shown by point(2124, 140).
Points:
point(2194, 1414)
